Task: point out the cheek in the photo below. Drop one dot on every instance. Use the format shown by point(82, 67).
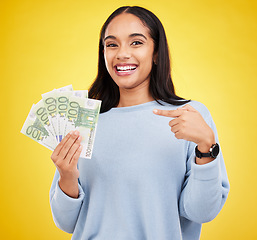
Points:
point(107, 61)
point(146, 58)
point(109, 57)
point(147, 64)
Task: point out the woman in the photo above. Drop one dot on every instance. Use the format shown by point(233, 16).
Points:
point(156, 171)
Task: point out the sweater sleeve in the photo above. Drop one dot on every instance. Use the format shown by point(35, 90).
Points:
point(206, 187)
point(65, 210)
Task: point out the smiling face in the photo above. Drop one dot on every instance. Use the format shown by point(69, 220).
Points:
point(128, 52)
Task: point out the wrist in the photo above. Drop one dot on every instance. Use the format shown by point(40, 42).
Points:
point(69, 186)
point(202, 158)
point(204, 148)
point(206, 143)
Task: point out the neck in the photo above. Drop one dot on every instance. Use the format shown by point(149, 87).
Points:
point(131, 97)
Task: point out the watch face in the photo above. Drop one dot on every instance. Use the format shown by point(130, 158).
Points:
point(215, 150)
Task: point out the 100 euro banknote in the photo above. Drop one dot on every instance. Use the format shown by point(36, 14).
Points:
point(82, 115)
point(49, 100)
point(62, 99)
point(40, 111)
point(34, 129)
point(59, 112)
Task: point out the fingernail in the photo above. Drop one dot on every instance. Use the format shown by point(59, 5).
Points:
point(80, 147)
point(71, 132)
point(76, 133)
point(155, 111)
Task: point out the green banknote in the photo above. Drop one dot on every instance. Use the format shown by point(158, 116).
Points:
point(65, 88)
point(40, 111)
point(34, 129)
point(49, 100)
point(80, 93)
point(82, 115)
point(62, 107)
point(62, 100)
point(60, 111)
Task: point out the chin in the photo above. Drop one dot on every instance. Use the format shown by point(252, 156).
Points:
point(125, 84)
point(130, 83)
point(128, 86)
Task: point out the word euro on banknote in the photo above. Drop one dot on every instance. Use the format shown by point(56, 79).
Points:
point(82, 115)
point(34, 129)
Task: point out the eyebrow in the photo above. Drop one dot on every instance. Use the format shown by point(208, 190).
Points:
point(131, 35)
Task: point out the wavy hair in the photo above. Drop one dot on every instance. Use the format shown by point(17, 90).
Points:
point(161, 86)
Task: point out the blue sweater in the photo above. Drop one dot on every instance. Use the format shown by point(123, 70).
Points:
point(141, 183)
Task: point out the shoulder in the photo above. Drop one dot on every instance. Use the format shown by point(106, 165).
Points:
point(200, 107)
point(203, 110)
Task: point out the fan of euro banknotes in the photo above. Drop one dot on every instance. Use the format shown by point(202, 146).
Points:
point(59, 112)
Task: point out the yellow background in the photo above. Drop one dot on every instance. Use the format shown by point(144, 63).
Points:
point(52, 43)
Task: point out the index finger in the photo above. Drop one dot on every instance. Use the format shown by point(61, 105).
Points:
point(168, 113)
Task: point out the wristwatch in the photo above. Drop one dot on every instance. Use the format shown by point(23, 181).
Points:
point(213, 152)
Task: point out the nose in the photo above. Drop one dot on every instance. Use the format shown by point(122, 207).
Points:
point(123, 53)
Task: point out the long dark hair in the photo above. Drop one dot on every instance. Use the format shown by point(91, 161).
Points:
point(161, 86)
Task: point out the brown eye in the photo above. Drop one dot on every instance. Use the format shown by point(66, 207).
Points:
point(111, 45)
point(136, 43)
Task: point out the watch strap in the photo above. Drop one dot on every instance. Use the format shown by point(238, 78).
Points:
point(213, 153)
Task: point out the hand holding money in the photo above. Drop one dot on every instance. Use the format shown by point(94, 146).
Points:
point(65, 158)
point(59, 112)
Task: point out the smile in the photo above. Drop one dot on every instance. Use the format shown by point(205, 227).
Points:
point(122, 70)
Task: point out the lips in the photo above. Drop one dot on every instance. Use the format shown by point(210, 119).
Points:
point(125, 69)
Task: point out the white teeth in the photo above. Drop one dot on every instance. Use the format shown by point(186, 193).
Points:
point(125, 68)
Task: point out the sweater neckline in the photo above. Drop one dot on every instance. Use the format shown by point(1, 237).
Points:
point(138, 107)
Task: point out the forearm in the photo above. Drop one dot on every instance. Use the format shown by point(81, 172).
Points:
point(203, 196)
point(65, 209)
point(206, 184)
